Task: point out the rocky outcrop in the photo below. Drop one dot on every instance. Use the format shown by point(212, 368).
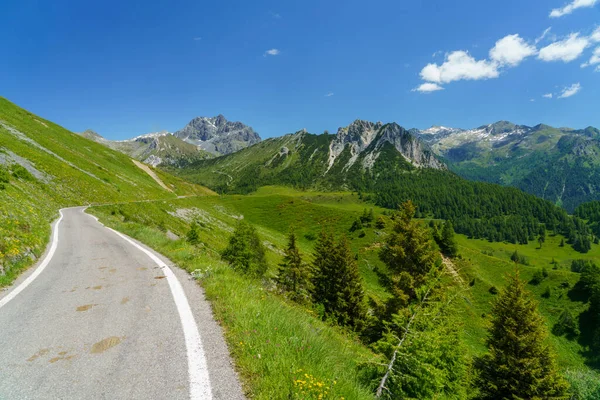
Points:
point(217, 135)
point(365, 140)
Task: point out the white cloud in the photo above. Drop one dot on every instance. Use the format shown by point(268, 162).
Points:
point(570, 91)
point(547, 95)
point(595, 59)
point(565, 50)
point(428, 87)
point(197, 38)
point(329, 94)
point(272, 52)
point(459, 65)
point(532, 100)
point(543, 35)
point(275, 15)
point(595, 36)
point(511, 50)
point(572, 6)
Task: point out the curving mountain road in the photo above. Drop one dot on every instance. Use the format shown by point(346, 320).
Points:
point(102, 317)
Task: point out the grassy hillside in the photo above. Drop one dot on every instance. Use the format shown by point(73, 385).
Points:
point(44, 167)
point(254, 315)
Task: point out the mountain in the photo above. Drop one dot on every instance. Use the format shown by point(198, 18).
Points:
point(308, 160)
point(154, 148)
point(217, 135)
point(387, 165)
point(561, 165)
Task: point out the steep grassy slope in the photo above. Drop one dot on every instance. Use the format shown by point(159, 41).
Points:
point(44, 167)
point(289, 337)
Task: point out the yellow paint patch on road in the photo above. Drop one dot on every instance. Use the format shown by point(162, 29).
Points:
point(39, 354)
point(106, 344)
point(86, 307)
point(125, 300)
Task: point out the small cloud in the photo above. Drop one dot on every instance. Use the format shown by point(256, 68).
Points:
point(272, 52)
point(406, 65)
point(511, 50)
point(275, 15)
point(570, 91)
point(459, 65)
point(565, 50)
point(197, 38)
point(594, 60)
point(547, 95)
point(532, 100)
point(428, 87)
point(543, 35)
point(329, 94)
point(437, 53)
point(572, 6)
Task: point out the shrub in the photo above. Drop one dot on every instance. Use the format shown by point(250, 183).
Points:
point(20, 172)
point(245, 252)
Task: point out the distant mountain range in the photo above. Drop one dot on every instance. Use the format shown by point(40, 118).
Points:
point(202, 138)
point(561, 165)
point(327, 161)
point(558, 164)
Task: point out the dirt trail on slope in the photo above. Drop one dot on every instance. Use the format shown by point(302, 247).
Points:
point(451, 268)
point(147, 169)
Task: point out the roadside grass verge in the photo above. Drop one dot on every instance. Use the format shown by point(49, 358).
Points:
point(281, 350)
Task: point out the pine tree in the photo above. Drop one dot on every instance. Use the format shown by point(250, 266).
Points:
point(562, 243)
point(409, 248)
point(337, 282)
point(245, 252)
point(294, 274)
point(448, 243)
point(519, 364)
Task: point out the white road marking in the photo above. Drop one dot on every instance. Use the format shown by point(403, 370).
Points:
point(197, 369)
point(39, 269)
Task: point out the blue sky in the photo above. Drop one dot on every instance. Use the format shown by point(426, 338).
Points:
point(124, 68)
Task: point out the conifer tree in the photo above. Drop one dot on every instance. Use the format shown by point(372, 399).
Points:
point(245, 252)
point(448, 243)
point(519, 364)
point(337, 282)
point(409, 248)
point(294, 274)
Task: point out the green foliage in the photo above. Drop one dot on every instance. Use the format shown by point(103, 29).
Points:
point(245, 252)
point(519, 364)
point(566, 325)
point(20, 172)
point(193, 237)
point(337, 282)
point(380, 224)
point(430, 362)
point(538, 276)
point(585, 384)
point(294, 276)
point(519, 259)
point(447, 242)
point(4, 175)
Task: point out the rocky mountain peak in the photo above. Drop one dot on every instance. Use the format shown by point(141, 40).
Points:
point(218, 135)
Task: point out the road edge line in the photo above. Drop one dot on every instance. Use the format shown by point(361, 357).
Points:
point(200, 388)
point(40, 268)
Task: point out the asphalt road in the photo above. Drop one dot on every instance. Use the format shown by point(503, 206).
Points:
point(104, 320)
